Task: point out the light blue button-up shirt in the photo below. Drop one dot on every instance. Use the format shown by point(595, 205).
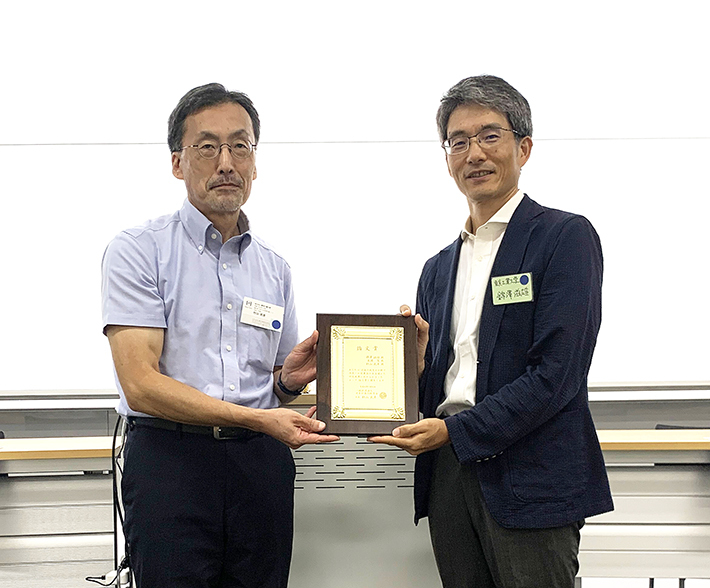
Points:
point(174, 273)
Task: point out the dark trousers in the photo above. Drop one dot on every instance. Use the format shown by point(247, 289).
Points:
point(473, 551)
point(201, 512)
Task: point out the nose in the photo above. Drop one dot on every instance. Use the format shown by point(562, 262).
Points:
point(225, 161)
point(475, 151)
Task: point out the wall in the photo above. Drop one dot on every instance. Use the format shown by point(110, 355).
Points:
point(352, 185)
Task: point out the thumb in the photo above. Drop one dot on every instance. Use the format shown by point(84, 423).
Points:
point(403, 431)
point(310, 424)
point(422, 325)
point(307, 344)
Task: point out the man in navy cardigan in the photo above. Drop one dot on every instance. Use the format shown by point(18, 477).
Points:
point(509, 464)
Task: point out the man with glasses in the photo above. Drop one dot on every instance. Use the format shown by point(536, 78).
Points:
point(508, 464)
point(200, 317)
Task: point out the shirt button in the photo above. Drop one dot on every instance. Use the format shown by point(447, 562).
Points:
point(229, 347)
point(200, 247)
point(480, 258)
point(229, 306)
point(224, 266)
point(214, 235)
point(232, 386)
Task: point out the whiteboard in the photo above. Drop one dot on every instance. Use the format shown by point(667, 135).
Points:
point(352, 185)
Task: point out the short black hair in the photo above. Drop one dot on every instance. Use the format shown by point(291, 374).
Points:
point(203, 97)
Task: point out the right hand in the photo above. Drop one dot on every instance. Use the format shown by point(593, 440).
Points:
point(295, 429)
point(422, 335)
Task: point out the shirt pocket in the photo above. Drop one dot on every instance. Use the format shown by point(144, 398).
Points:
point(263, 344)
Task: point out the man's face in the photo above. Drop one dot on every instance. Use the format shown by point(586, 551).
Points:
point(220, 185)
point(486, 174)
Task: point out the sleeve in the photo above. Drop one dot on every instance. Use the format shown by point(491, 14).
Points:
point(566, 321)
point(289, 334)
point(129, 286)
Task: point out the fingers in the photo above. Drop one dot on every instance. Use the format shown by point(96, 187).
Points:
point(386, 439)
point(311, 412)
point(404, 310)
point(422, 325)
point(406, 444)
point(322, 438)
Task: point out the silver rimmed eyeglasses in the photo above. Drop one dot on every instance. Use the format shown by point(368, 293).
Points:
point(210, 149)
point(487, 138)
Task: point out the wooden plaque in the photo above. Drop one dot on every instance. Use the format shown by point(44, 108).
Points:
point(367, 382)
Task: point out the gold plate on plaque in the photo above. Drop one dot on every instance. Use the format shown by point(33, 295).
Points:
point(367, 382)
point(369, 363)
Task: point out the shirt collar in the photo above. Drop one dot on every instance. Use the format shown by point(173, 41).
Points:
point(501, 217)
point(200, 228)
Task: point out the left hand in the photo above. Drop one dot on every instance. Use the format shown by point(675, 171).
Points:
point(299, 367)
point(426, 435)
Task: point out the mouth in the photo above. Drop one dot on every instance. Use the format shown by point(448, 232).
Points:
point(478, 174)
point(225, 185)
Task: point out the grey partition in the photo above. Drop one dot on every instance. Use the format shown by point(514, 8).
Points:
point(354, 519)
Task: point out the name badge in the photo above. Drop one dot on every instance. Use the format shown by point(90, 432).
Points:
point(262, 314)
point(512, 289)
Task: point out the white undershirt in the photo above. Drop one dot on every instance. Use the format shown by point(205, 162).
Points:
point(478, 252)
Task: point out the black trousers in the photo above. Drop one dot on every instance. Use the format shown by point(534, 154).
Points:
point(202, 512)
point(472, 550)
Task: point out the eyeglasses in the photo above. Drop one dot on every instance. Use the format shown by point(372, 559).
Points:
point(487, 139)
point(210, 150)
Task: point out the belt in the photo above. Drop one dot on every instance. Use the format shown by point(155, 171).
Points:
point(216, 432)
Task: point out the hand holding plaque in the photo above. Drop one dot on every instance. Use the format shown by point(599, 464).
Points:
point(367, 373)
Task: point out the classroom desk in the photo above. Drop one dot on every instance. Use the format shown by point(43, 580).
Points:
point(660, 480)
point(56, 520)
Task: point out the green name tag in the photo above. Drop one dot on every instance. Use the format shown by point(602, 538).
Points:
point(512, 289)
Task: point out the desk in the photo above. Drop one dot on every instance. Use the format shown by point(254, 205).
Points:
point(56, 517)
point(655, 440)
point(660, 480)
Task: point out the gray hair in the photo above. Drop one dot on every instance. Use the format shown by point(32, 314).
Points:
point(203, 97)
point(490, 92)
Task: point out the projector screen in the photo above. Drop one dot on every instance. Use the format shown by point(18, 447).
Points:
point(352, 185)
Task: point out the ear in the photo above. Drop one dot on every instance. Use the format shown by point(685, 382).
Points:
point(253, 176)
point(177, 168)
point(524, 149)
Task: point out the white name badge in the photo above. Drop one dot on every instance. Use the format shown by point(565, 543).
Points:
point(262, 314)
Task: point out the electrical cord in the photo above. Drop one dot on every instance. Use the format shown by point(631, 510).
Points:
point(115, 576)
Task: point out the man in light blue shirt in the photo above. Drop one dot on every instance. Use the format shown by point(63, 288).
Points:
point(200, 316)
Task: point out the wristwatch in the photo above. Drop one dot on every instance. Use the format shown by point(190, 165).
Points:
point(285, 390)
